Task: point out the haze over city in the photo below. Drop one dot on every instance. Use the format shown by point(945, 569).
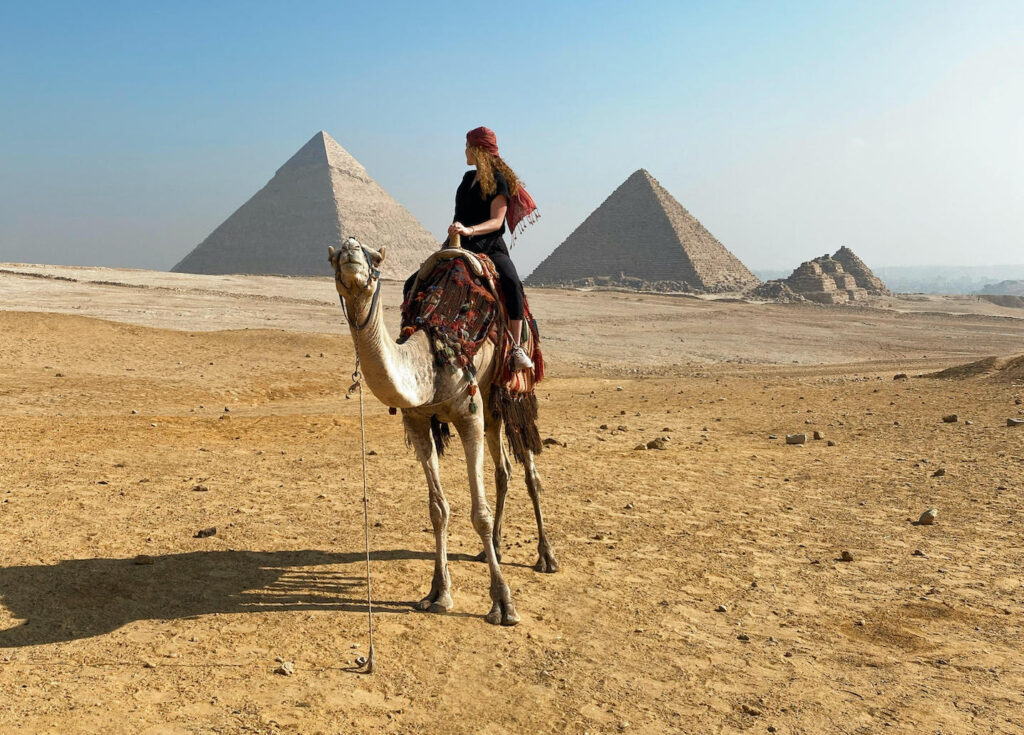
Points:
point(130, 133)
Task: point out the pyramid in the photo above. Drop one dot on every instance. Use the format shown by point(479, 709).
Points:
point(319, 197)
point(642, 232)
point(860, 272)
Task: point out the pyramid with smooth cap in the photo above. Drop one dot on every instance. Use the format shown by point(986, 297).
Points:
point(319, 197)
point(642, 234)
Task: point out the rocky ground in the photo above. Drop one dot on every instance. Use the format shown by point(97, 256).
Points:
point(701, 589)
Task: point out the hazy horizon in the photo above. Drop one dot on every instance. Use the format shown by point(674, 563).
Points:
point(131, 132)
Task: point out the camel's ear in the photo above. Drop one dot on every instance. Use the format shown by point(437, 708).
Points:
point(383, 252)
point(330, 253)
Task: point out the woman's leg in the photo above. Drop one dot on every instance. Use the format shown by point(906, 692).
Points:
point(512, 293)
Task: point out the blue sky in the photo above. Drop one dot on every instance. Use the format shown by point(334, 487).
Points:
point(130, 130)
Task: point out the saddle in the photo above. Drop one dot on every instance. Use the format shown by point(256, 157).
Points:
point(456, 296)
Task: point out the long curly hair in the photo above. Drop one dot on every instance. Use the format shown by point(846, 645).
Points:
point(485, 164)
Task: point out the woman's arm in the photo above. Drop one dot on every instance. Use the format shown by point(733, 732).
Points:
point(498, 209)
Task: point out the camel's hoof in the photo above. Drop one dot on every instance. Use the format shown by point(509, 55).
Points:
point(503, 613)
point(482, 556)
point(438, 604)
point(546, 563)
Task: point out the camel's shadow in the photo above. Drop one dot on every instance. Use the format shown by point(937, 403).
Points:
point(81, 598)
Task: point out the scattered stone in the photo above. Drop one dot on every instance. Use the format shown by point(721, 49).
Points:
point(640, 447)
point(1015, 422)
point(928, 517)
point(620, 427)
point(200, 489)
point(846, 556)
point(227, 410)
point(941, 472)
point(900, 376)
point(144, 560)
point(743, 637)
point(752, 711)
point(629, 506)
point(772, 436)
point(206, 532)
point(950, 418)
point(360, 660)
point(372, 453)
point(859, 623)
point(134, 412)
point(830, 443)
point(917, 552)
point(552, 442)
point(968, 423)
point(148, 665)
point(619, 387)
point(818, 436)
point(287, 668)
point(721, 608)
point(660, 443)
point(603, 426)
point(796, 438)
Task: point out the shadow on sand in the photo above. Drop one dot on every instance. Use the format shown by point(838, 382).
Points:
point(81, 598)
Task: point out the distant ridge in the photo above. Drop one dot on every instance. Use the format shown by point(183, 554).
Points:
point(642, 233)
point(319, 197)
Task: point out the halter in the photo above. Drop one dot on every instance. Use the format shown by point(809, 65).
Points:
point(374, 276)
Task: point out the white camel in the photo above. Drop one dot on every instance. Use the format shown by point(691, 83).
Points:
point(405, 376)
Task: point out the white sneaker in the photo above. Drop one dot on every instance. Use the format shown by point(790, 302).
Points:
point(520, 360)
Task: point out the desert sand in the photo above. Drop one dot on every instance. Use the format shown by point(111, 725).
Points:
point(139, 408)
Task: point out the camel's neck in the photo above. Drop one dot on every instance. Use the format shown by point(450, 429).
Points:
point(399, 375)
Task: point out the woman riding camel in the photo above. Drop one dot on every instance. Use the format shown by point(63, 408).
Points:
point(484, 201)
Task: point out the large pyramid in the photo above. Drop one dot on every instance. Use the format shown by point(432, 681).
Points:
point(319, 197)
point(642, 232)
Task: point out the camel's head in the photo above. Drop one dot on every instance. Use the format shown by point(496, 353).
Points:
point(355, 267)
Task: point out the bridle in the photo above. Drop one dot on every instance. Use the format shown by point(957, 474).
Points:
point(374, 277)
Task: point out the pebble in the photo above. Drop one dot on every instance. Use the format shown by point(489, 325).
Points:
point(796, 438)
point(859, 623)
point(830, 443)
point(629, 506)
point(640, 447)
point(772, 436)
point(618, 387)
point(950, 418)
point(818, 436)
point(659, 443)
point(941, 472)
point(928, 517)
point(134, 411)
point(200, 489)
point(899, 376)
point(917, 552)
point(1015, 422)
point(206, 532)
point(287, 668)
point(752, 711)
point(721, 608)
point(361, 661)
point(551, 441)
point(743, 637)
point(846, 556)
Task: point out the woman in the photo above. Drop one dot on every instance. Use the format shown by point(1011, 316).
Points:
point(485, 199)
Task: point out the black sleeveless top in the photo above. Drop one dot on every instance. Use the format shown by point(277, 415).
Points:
point(472, 208)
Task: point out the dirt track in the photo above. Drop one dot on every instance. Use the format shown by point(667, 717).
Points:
point(650, 543)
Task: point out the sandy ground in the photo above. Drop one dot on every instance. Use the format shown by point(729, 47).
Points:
point(113, 400)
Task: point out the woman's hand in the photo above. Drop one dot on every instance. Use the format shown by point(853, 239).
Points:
point(458, 227)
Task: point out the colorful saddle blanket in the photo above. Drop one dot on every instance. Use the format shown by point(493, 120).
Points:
point(461, 310)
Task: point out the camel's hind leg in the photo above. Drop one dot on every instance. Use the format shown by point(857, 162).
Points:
point(545, 556)
point(471, 429)
point(440, 598)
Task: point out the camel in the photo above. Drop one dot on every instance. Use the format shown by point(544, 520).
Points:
point(405, 376)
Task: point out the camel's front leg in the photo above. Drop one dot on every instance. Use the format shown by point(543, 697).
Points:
point(440, 598)
point(502, 473)
point(545, 556)
point(471, 429)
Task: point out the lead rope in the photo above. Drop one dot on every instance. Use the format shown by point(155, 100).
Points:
point(357, 381)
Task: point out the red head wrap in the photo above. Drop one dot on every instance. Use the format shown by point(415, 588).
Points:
point(522, 210)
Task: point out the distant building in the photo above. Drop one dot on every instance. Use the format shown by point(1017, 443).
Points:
point(319, 197)
point(641, 237)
